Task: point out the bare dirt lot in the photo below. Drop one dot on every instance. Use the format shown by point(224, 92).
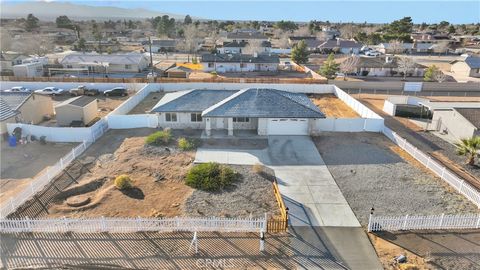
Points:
point(21, 163)
point(372, 171)
point(332, 106)
point(158, 174)
point(147, 103)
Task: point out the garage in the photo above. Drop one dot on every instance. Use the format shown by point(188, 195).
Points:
point(287, 126)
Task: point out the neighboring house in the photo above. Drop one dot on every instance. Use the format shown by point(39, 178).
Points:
point(24, 108)
point(384, 67)
point(468, 66)
point(340, 45)
point(82, 109)
point(106, 63)
point(29, 70)
point(161, 45)
point(239, 47)
point(394, 48)
point(312, 42)
point(239, 62)
point(459, 122)
point(8, 60)
point(178, 72)
point(245, 36)
point(292, 40)
point(266, 111)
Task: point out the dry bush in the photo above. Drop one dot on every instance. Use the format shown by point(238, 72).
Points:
point(258, 168)
point(123, 182)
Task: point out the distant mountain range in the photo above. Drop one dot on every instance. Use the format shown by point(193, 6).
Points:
point(51, 10)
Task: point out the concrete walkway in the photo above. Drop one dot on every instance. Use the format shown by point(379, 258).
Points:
point(318, 212)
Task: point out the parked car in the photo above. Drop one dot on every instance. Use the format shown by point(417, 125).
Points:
point(83, 90)
point(117, 91)
point(17, 89)
point(53, 91)
point(372, 53)
point(152, 75)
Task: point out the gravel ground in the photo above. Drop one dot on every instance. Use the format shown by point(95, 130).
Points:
point(450, 151)
point(370, 171)
point(252, 194)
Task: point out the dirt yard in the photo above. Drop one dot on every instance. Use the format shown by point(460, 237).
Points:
point(21, 163)
point(333, 106)
point(147, 103)
point(158, 174)
point(372, 171)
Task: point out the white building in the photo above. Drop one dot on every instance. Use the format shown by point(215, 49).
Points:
point(106, 63)
point(29, 70)
point(239, 62)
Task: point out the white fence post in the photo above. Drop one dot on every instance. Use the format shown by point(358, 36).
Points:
point(405, 222)
point(441, 221)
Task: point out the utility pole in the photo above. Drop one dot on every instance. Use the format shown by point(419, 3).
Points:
point(151, 58)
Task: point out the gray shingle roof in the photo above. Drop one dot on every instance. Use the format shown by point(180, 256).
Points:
point(191, 101)
point(333, 43)
point(80, 101)
point(121, 59)
point(473, 62)
point(471, 114)
point(237, 58)
point(5, 110)
point(245, 35)
point(14, 99)
point(268, 103)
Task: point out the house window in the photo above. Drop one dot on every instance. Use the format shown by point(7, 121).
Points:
point(69, 66)
point(171, 117)
point(196, 117)
point(128, 66)
point(241, 119)
point(242, 65)
point(210, 65)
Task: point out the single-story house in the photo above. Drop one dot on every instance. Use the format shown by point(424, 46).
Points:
point(265, 111)
point(394, 48)
point(459, 122)
point(239, 47)
point(24, 108)
point(34, 69)
point(103, 45)
point(10, 59)
point(106, 63)
point(161, 45)
point(239, 62)
point(340, 45)
point(384, 67)
point(178, 72)
point(468, 66)
point(82, 109)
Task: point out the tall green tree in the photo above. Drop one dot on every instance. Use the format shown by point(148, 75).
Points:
point(399, 30)
point(469, 148)
point(286, 25)
point(451, 29)
point(329, 67)
point(300, 53)
point(64, 22)
point(187, 20)
point(165, 25)
point(31, 22)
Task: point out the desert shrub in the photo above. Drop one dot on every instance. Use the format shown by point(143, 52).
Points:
point(210, 176)
point(214, 73)
point(186, 144)
point(257, 168)
point(159, 138)
point(123, 182)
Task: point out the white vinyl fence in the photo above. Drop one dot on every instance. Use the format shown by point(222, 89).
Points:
point(459, 184)
point(133, 121)
point(129, 225)
point(63, 134)
point(432, 222)
point(356, 105)
point(348, 124)
point(42, 180)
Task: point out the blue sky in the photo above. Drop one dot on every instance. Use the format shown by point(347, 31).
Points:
point(429, 11)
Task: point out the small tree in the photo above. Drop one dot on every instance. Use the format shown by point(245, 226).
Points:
point(468, 148)
point(405, 65)
point(429, 75)
point(329, 67)
point(253, 46)
point(300, 53)
point(187, 20)
point(439, 76)
point(31, 22)
point(349, 65)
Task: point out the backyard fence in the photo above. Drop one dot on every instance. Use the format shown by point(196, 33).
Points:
point(445, 174)
point(432, 222)
point(130, 225)
point(41, 180)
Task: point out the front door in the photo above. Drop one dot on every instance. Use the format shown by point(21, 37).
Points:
point(220, 123)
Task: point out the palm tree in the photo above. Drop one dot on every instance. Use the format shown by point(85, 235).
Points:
point(469, 148)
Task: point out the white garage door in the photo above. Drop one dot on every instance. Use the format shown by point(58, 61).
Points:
point(287, 126)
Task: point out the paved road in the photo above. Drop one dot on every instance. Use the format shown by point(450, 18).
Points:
point(318, 212)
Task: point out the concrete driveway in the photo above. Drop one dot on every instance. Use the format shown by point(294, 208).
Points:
point(318, 212)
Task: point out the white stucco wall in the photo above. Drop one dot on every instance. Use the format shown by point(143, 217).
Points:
point(455, 123)
point(183, 121)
